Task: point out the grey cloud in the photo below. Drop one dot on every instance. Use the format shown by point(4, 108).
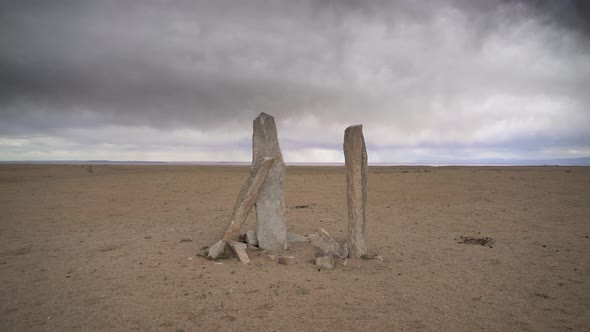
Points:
point(131, 72)
point(417, 73)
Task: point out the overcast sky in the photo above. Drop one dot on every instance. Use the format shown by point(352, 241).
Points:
point(183, 80)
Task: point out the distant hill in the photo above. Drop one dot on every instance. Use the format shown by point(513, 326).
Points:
point(583, 161)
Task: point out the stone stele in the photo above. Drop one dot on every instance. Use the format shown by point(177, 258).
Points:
point(271, 223)
point(355, 157)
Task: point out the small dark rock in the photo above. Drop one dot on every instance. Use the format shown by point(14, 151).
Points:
point(482, 241)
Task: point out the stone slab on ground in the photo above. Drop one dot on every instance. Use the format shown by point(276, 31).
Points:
point(326, 243)
point(239, 249)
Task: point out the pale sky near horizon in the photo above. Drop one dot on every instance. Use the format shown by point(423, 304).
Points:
point(183, 80)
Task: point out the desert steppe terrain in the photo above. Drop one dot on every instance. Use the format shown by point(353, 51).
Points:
point(115, 250)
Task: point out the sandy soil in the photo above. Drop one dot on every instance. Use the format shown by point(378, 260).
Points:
point(114, 250)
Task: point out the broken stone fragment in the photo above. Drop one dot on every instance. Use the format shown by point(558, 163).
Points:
point(239, 249)
point(344, 262)
point(293, 237)
point(325, 262)
point(286, 260)
point(326, 243)
point(244, 203)
point(247, 197)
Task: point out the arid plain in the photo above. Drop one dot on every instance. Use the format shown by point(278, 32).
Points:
point(115, 250)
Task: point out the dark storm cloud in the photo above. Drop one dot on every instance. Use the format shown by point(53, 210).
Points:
point(416, 73)
point(570, 14)
point(157, 63)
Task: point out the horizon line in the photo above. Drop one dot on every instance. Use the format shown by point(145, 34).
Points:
point(575, 161)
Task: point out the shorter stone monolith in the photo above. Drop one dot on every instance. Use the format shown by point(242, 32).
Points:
point(355, 156)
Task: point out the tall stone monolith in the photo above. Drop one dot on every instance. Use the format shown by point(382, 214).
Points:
point(271, 223)
point(355, 156)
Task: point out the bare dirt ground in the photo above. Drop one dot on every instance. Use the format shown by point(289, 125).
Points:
point(114, 250)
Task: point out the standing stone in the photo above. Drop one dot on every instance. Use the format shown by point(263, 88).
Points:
point(355, 156)
point(271, 224)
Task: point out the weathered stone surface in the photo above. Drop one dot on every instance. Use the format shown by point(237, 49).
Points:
point(326, 243)
point(355, 156)
point(216, 249)
point(271, 223)
point(293, 237)
point(239, 249)
point(286, 260)
point(251, 238)
point(246, 198)
point(325, 262)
